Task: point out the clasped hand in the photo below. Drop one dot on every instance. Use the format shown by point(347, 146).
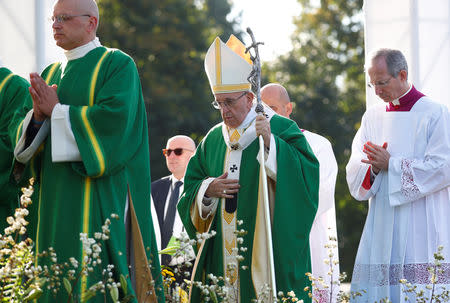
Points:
point(377, 156)
point(44, 97)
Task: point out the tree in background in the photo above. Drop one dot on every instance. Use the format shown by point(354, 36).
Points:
point(168, 40)
point(324, 75)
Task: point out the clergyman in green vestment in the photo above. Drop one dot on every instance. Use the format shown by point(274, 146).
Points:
point(222, 188)
point(13, 97)
point(87, 136)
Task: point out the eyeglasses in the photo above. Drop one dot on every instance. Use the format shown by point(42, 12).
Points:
point(379, 83)
point(64, 18)
point(176, 151)
point(229, 102)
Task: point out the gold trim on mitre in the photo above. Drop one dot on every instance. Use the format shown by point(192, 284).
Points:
point(227, 66)
point(231, 88)
point(239, 48)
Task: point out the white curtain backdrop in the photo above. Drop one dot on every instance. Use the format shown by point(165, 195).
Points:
point(421, 30)
point(26, 42)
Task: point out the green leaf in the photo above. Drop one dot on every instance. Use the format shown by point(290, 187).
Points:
point(41, 281)
point(213, 296)
point(67, 285)
point(172, 247)
point(123, 284)
point(114, 292)
point(33, 295)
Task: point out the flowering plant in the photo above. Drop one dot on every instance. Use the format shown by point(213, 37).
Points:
point(22, 281)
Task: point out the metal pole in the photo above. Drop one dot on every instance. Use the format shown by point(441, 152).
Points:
point(415, 56)
point(39, 35)
point(255, 80)
point(267, 219)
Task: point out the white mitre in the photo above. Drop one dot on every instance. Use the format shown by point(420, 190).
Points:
point(227, 66)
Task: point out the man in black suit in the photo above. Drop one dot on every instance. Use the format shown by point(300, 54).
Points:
point(166, 192)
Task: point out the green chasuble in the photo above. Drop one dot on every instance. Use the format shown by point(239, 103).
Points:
point(108, 120)
point(13, 96)
point(294, 199)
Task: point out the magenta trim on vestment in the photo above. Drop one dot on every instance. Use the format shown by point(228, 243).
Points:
point(406, 102)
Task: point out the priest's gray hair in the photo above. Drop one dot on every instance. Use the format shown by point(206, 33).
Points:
point(395, 60)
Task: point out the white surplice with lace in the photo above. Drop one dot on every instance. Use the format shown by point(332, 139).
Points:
point(409, 204)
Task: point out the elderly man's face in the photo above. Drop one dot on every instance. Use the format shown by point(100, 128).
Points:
point(239, 106)
point(70, 25)
point(386, 87)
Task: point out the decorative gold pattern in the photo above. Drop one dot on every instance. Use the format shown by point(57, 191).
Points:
point(229, 246)
point(232, 274)
point(235, 136)
point(228, 217)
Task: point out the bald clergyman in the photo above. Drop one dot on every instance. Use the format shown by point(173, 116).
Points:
point(324, 226)
point(95, 156)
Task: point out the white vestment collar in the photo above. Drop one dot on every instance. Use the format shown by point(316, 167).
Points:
point(249, 125)
point(81, 51)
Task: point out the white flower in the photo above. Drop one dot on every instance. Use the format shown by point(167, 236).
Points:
point(10, 220)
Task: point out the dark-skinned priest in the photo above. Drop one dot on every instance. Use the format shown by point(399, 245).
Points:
point(221, 193)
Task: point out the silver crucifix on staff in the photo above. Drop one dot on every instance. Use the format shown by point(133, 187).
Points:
point(255, 76)
point(255, 79)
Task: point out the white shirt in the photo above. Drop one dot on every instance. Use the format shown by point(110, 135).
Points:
point(178, 227)
point(324, 225)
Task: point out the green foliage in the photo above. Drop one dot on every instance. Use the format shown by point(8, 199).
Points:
point(67, 285)
point(22, 281)
point(168, 40)
point(114, 291)
point(17, 280)
point(324, 76)
point(123, 284)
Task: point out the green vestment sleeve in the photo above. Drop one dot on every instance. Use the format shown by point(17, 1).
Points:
point(13, 97)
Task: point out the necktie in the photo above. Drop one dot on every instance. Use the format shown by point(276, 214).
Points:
point(169, 219)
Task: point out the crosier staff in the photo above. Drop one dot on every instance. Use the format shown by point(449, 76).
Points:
point(255, 79)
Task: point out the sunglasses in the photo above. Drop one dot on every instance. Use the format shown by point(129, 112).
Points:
point(176, 151)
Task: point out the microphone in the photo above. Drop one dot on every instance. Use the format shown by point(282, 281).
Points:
point(231, 204)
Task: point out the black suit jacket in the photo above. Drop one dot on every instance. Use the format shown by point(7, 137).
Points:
point(160, 189)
